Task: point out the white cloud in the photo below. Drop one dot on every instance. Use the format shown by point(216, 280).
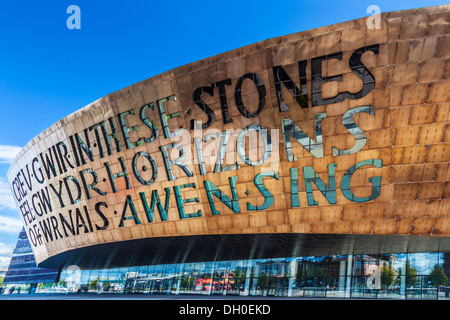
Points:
point(5, 249)
point(6, 198)
point(5, 255)
point(10, 225)
point(8, 153)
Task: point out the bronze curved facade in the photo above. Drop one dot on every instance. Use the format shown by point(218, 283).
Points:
point(326, 141)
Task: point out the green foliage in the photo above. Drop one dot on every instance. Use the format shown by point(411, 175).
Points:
point(437, 276)
point(411, 278)
point(93, 284)
point(239, 275)
point(387, 276)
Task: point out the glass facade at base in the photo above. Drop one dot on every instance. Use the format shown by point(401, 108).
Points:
point(384, 276)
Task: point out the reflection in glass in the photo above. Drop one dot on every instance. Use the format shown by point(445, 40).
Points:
point(355, 131)
point(367, 276)
point(291, 129)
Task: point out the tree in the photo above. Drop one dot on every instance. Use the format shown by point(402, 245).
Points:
point(387, 275)
point(239, 275)
point(93, 284)
point(437, 276)
point(411, 275)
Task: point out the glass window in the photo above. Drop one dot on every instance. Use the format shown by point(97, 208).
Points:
point(143, 271)
point(63, 275)
point(413, 287)
point(122, 273)
point(197, 276)
point(377, 276)
point(187, 278)
point(423, 263)
point(85, 276)
point(158, 270)
point(236, 277)
point(113, 274)
point(150, 271)
point(170, 269)
point(259, 281)
point(220, 275)
point(176, 276)
point(357, 265)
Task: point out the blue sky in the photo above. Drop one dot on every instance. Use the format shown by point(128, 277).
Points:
point(48, 71)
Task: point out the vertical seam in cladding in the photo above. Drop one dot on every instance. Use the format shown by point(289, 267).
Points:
point(434, 172)
point(443, 134)
point(418, 66)
point(442, 191)
point(316, 46)
point(389, 85)
point(443, 71)
point(435, 112)
point(418, 134)
point(436, 46)
point(428, 90)
point(427, 28)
